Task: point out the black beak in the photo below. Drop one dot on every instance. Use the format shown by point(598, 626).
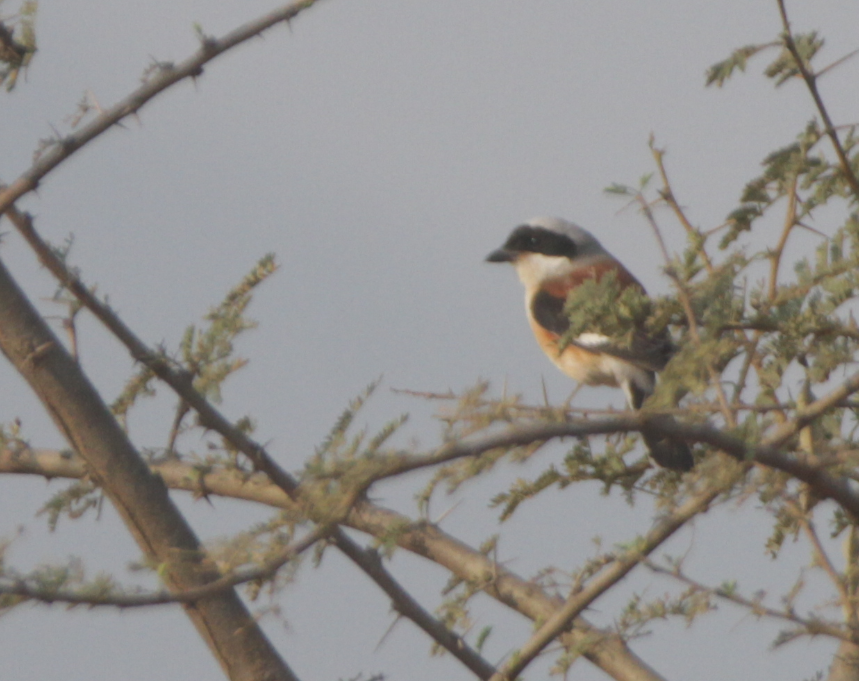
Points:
point(501, 255)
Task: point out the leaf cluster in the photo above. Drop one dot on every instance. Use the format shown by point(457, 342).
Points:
point(17, 43)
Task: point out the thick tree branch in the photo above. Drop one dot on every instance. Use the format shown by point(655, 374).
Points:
point(140, 497)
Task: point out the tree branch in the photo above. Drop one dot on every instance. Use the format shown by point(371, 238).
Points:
point(371, 564)
point(140, 498)
point(814, 627)
point(667, 194)
point(166, 76)
point(606, 579)
point(811, 83)
point(767, 452)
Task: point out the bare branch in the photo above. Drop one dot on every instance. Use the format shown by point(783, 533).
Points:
point(667, 194)
point(789, 224)
point(822, 559)
point(371, 564)
point(165, 77)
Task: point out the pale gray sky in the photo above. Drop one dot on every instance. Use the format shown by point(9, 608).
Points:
point(382, 149)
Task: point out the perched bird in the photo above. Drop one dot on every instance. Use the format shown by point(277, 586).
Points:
point(552, 257)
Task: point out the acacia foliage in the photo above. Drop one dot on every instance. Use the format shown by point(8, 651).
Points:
point(762, 355)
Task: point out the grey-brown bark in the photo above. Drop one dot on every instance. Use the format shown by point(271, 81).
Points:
point(845, 666)
point(139, 496)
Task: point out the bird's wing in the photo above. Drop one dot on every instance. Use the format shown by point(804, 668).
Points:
point(647, 352)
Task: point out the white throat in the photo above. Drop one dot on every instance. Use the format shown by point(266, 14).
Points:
point(535, 268)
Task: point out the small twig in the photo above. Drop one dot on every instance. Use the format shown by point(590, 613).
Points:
point(686, 302)
point(813, 627)
point(667, 194)
point(182, 410)
point(751, 349)
point(789, 224)
point(836, 63)
point(822, 559)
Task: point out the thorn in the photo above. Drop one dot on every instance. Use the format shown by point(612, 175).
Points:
point(388, 630)
point(447, 513)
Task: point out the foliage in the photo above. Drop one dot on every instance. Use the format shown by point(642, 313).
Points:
point(758, 353)
point(17, 43)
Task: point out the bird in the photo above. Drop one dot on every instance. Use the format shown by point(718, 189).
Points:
point(553, 257)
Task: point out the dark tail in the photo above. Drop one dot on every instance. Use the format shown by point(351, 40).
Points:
point(668, 453)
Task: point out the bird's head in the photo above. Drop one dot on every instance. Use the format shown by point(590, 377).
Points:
point(546, 249)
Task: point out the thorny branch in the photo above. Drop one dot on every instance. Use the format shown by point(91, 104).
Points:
point(686, 302)
point(165, 77)
point(813, 627)
point(667, 194)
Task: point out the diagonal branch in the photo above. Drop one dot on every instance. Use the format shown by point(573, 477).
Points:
point(370, 562)
point(606, 579)
point(667, 194)
point(166, 77)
